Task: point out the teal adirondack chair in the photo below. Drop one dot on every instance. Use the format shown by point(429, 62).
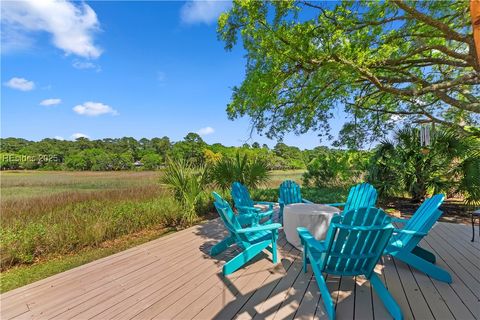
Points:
point(253, 240)
point(353, 246)
point(404, 244)
point(289, 193)
point(361, 195)
point(246, 206)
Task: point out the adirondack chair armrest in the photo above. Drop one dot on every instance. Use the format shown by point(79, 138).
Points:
point(307, 201)
point(361, 228)
point(338, 204)
point(399, 220)
point(309, 241)
point(267, 227)
point(245, 209)
point(265, 203)
point(410, 232)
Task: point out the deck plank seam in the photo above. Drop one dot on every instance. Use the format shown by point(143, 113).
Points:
point(277, 282)
point(403, 287)
point(244, 272)
point(451, 286)
point(113, 280)
point(166, 296)
point(468, 258)
point(116, 280)
point(452, 269)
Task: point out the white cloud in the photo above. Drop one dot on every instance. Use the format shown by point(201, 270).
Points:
point(13, 40)
point(77, 135)
point(77, 64)
point(205, 131)
point(203, 11)
point(59, 138)
point(50, 102)
point(20, 84)
point(93, 109)
point(71, 26)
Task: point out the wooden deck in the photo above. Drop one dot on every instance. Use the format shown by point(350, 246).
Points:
point(174, 277)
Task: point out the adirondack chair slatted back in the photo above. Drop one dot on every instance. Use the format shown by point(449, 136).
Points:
point(361, 195)
point(240, 195)
point(290, 192)
point(422, 220)
point(226, 214)
point(353, 251)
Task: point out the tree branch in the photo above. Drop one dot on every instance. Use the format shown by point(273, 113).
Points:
point(449, 33)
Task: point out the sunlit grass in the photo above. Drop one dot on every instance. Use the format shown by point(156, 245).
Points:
point(57, 213)
point(54, 221)
point(24, 274)
point(24, 184)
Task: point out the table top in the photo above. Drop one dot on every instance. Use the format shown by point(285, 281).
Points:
point(310, 209)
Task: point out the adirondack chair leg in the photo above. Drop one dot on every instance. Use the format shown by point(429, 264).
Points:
point(273, 252)
point(243, 257)
point(424, 266)
point(222, 246)
point(326, 297)
point(305, 259)
point(274, 247)
point(424, 254)
point(280, 214)
point(386, 297)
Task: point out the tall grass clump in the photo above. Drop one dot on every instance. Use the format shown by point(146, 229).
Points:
point(250, 172)
point(75, 226)
point(188, 183)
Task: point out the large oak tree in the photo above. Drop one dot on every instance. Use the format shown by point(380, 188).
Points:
point(382, 62)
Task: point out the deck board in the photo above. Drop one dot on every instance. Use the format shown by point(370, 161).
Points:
point(174, 277)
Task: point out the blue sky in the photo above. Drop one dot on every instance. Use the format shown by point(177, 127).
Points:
point(114, 69)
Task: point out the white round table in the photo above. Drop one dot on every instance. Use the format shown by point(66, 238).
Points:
point(315, 217)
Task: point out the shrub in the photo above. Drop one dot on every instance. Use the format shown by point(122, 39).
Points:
point(317, 195)
point(336, 168)
point(450, 164)
point(188, 184)
point(151, 161)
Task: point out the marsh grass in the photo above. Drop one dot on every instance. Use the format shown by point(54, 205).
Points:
point(49, 265)
point(80, 225)
point(278, 176)
point(24, 209)
point(59, 215)
point(35, 226)
point(25, 184)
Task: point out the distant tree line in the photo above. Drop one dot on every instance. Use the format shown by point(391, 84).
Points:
point(450, 164)
point(148, 154)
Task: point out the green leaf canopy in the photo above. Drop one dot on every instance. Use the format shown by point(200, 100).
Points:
point(382, 62)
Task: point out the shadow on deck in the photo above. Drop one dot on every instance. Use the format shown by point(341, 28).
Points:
point(175, 277)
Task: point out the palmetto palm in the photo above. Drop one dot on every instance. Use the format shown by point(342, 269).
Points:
point(251, 173)
point(187, 183)
point(451, 163)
